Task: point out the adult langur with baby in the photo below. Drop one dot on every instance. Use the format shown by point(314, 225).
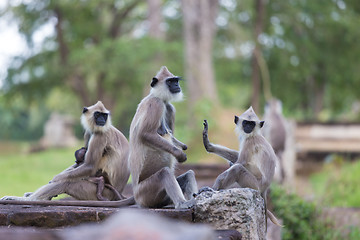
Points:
point(101, 171)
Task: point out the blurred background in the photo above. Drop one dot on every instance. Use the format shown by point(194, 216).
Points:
point(58, 56)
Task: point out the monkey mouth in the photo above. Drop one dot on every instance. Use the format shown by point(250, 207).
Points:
point(176, 90)
point(248, 129)
point(100, 123)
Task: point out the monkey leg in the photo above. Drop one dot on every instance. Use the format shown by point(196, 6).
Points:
point(100, 182)
point(87, 190)
point(116, 192)
point(152, 191)
point(237, 173)
point(188, 184)
point(48, 191)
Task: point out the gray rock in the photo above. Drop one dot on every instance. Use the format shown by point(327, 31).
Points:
point(241, 209)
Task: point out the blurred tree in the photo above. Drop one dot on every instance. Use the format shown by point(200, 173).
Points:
point(311, 49)
point(155, 18)
point(255, 75)
point(199, 31)
point(98, 52)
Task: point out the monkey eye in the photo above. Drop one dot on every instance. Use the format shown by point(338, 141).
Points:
point(248, 123)
point(172, 80)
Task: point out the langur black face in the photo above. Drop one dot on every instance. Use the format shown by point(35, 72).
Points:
point(248, 126)
point(100, 118)
point(172, 84)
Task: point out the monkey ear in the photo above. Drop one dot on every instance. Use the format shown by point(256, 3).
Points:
point(236, 120)
point(154, 82)
point(262, 124)
point(85, 110)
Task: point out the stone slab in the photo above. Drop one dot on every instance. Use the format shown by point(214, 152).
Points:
point(61, 216)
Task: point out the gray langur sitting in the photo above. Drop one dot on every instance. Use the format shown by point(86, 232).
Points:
point(101, 171)
point(154, 151)
point(254, 163)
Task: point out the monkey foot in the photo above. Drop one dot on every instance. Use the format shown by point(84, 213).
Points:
point(185, 205)
point(205, 189)
point(12, 198)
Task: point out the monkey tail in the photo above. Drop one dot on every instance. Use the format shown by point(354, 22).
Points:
point(273, 218)
point(112, 204)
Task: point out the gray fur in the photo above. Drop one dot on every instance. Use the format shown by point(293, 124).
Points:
point(154, 151)
point(254, 163)
point(107, 149)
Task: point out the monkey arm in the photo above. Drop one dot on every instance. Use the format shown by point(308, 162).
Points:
point(87, 136)
point(156, 141)
point(148, 130)
point(170, 116)
point(224, 152)
point(92, 157)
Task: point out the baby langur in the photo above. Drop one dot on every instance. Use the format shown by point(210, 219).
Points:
point(101, 178)
point(154, 151)
point(254, 163)
point(105, 155)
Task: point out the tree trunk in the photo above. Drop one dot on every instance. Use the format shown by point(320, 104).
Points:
point(199, 30)
point(155, 19)
point(255, 75)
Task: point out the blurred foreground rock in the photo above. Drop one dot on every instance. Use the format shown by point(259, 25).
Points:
point(241, 209)
point(137, 225)
point(126, 224)
point(233, 214)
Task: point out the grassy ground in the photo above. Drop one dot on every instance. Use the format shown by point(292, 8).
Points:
point(337, 185)
point(23, 172)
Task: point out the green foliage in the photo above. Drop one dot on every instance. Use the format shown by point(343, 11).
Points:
point(341, 188)
point(21, 123)
point(301, 218)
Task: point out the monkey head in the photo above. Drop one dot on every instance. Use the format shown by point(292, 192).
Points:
point(80, 155)
point(248, 123)
point(96, 118)
point(273, 105)
point(166, 86)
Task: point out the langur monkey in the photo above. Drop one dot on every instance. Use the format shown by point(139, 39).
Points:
point(105, 155)
point(154, 151)
point(101, 178)
point(275, 133)
point(254, 163)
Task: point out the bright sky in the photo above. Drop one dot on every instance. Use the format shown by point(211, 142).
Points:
point(11, 43)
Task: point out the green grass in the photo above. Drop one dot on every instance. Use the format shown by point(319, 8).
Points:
point(338, 184)
point(21, 172)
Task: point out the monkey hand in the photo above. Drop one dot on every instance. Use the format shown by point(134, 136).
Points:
point(180, 155)
point(207, 144)
point(206, 126)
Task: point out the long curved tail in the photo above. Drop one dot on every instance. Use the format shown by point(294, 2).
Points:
point(273, 218)
point(113, 204)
